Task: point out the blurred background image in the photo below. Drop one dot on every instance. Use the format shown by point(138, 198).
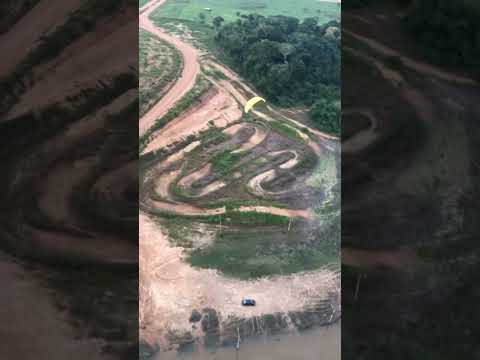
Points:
point(410, 148)
point(68, 217)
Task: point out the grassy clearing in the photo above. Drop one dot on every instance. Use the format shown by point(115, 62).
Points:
point(160, 64)
point(228, 9)
point(232, 204)
point(224, 162)
point(215, 74)
point(233, 217)
point(142, 2)
point(244, 254)
point(325, 178)
point(202, 34)
point(286, 130)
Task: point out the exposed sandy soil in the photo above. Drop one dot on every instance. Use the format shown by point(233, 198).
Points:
point(188, 180)
point(178, 155)
point(170, 288)
point(219, 108)
point(232, 130)
point(210, 188)
point(190, 70)
point(258, 136)
point(255, 183)
point(290, 163)
point(163, 183)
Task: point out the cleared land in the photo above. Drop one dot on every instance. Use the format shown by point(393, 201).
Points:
point(160, 66)
point(212, 180)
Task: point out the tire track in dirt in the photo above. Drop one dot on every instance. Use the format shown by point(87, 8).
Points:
point(170, 289)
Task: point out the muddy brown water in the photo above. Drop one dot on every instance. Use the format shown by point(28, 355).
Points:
point(319, 344)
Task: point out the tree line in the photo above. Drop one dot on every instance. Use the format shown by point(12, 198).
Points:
point(290, 61)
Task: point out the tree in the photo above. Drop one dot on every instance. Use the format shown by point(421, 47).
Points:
point(285, 59)
point(326, 116)
point(217, 22)
point(202, 17)
point(286, 49)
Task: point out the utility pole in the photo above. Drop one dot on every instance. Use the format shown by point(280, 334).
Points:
point(357, 287)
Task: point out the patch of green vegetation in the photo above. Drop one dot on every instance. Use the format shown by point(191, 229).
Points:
point(223, 162)
point(231, 217)
point(286, 130)
point(244, 254)
point(308, 160)
point(325, 178)
point(212, 136)
point(230, 9)
point(231, 204)
point(326, 112)
point(251, 218)
point(202, 34)
point(160, 64)
point(216, 74)
point(190, 99)
point(271, 52)
point(142, 2)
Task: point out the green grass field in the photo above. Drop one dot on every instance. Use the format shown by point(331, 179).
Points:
point(246, 255)
point(142, 2)
point(228, 9)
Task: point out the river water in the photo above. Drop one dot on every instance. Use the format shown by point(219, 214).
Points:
point(318, 344)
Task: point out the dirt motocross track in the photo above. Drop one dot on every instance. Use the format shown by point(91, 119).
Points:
point(228, 158)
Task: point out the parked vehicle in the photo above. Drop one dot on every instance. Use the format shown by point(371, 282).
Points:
point(248, 302)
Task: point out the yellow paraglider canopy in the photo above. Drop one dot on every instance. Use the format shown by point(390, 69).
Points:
point(251, 103)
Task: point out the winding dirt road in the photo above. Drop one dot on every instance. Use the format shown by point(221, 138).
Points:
point(190, 70)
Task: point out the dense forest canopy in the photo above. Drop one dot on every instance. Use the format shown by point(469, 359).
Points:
point(290, 62)
point(326, 112)
point(287, 60)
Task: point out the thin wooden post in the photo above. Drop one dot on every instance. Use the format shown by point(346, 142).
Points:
point(357, 287)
